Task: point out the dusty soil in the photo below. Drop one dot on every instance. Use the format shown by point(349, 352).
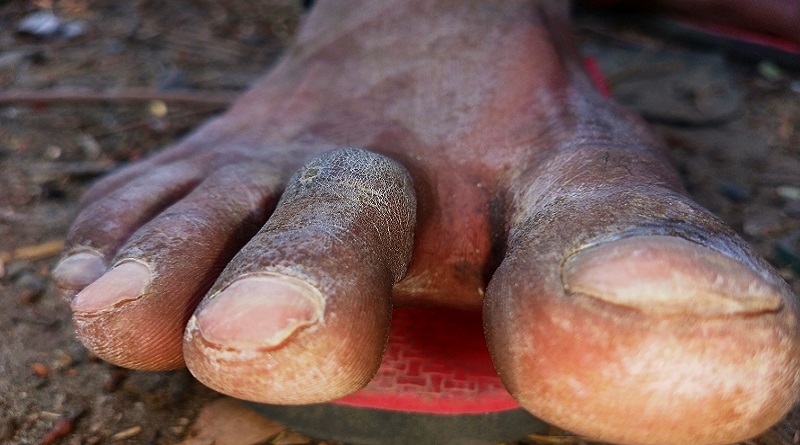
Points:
point(734, 127)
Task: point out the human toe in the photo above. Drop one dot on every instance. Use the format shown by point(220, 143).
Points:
point(301, 314)
point(104, 225)
point(135, 313)
point(647, 339)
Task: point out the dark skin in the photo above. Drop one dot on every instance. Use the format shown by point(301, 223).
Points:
point(488, 174)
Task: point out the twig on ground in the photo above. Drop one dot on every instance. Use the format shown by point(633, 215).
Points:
point(128, 95)
point(35, 252)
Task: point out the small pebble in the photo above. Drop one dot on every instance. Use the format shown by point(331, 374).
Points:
point(788, 192)
point(770, 71)
point(53, 152)
point(40, 369)
point(72, 28)
point(62, 361)
point(60, 428)
point(90, 147)
point(158, 108)
point(40, 24)
point(45, 24)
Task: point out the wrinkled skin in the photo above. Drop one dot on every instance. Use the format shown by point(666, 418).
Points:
point(483, 172)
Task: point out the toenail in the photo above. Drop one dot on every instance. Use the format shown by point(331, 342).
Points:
point(668, 276)
point(123, 283)
point(79, 270)
point(259, 312)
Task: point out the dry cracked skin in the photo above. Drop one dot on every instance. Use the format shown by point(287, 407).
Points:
point(451, 153)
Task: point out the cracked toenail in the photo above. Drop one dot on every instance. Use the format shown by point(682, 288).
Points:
point(79, 270)
point(124, 282)
point(259, 312)
point(668, 276)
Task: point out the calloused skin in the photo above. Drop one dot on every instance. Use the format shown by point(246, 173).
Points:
point(445, 152)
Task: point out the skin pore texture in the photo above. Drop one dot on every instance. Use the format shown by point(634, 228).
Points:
point(441, 152)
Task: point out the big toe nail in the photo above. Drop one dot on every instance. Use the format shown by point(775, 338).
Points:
point(259, 312)
point(663, 275)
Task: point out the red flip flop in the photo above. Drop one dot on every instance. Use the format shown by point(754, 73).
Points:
point(436, 385)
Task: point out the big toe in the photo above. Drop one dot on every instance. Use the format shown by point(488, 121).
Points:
point(645, 338)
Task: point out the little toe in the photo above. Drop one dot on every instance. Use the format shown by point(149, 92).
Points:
point(134, 315)
point(104, 225)
point(633, 316)
point(302, 313)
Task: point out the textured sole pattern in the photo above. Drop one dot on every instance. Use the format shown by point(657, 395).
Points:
point(436, 362)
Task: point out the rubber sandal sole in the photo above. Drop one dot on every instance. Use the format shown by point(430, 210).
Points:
point(436, 385)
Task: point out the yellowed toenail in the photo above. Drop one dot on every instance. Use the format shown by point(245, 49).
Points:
point(125, 282)
point(668, 276)
point(259, 312)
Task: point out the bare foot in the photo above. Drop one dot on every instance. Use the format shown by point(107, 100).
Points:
point(487, 173)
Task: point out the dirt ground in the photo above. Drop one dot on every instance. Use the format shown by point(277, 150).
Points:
point(140, 74)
